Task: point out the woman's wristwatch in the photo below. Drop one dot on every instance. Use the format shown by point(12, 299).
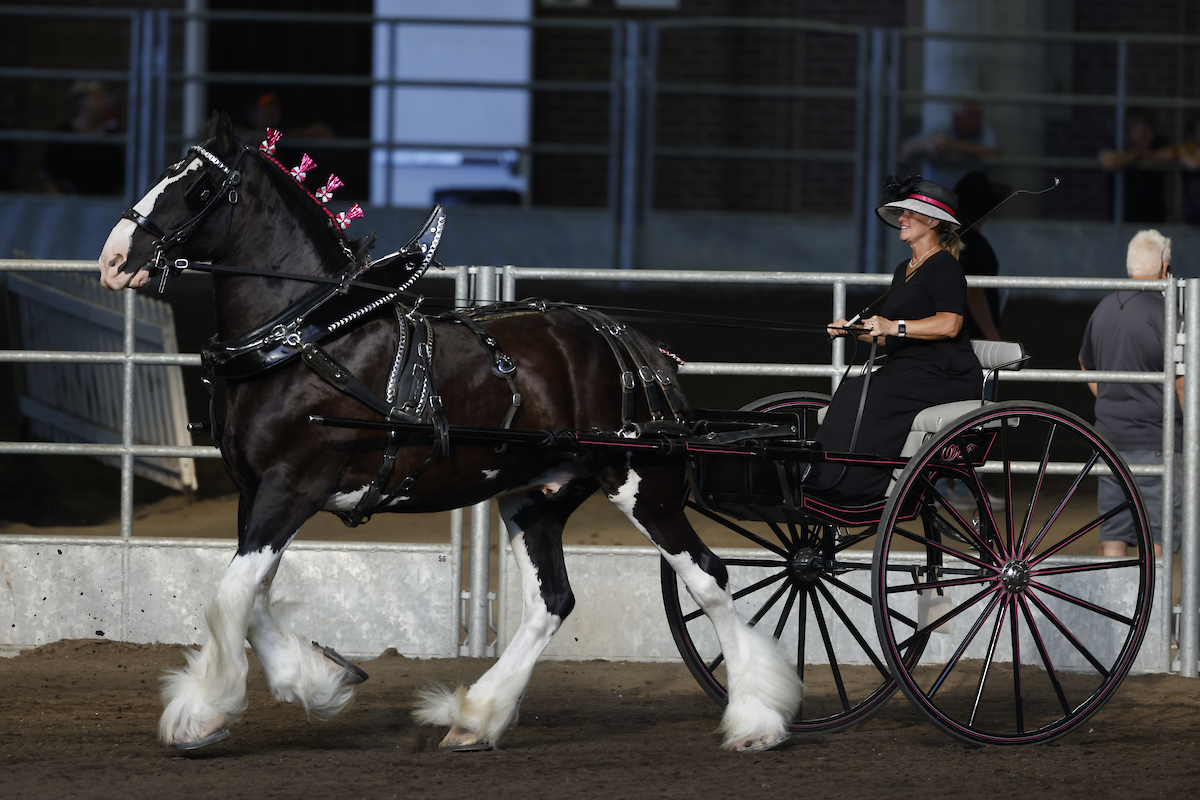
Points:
point(903, 326)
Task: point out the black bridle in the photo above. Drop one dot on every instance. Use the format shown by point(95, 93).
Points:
point(202, 198)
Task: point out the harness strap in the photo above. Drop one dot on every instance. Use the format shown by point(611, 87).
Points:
point(611, 331)
point(502, 365)
point(330, 370)
point(143, 222)
point(411, 378)
point(674, 399)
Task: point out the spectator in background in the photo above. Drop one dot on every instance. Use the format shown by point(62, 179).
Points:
point(86, 167)
point(1188, 154)
point(1125, 333)
point(953, 151)
point(976, 197)
point(1147, 153)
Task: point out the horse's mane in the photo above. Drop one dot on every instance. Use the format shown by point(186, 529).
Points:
point(305, 207)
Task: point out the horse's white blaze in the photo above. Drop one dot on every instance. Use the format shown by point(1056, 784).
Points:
point(492, 703)
point(764, 690)
point(120, 239)
point(490, 474)
point(146, 204)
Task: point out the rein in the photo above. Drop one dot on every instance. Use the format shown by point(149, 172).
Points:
point(182, 264)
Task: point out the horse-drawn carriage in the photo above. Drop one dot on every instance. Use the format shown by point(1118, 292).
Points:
point(955, 587)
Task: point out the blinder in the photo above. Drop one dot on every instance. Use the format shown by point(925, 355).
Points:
point(200, 193)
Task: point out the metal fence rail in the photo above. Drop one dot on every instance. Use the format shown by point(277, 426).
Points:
point(485, 284)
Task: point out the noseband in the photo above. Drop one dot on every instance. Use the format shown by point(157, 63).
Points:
point(201, 198)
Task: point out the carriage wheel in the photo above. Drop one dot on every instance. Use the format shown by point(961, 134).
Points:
point(1028, 634)
point(809, 585)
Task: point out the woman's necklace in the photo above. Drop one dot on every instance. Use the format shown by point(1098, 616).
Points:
point(914, 263)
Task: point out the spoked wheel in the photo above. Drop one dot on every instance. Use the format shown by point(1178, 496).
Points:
point(1027, 636)
point(807, 584)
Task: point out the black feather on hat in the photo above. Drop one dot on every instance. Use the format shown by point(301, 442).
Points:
point(899, 188)
point(914, 193)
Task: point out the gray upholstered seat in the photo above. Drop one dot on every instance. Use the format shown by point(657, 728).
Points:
point(992, 356)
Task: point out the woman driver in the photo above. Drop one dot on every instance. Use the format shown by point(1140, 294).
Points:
point(930, 360)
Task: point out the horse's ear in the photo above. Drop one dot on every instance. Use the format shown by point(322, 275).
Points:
point(364, 246)
point(220, 131)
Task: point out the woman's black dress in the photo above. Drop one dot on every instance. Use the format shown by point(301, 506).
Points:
point(916, 374)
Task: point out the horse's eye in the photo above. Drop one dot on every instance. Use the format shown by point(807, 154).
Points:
point(205, 195)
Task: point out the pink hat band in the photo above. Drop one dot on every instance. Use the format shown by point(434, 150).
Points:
point(926, 199)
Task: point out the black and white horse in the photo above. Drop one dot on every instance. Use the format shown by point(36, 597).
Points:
point(231, 203)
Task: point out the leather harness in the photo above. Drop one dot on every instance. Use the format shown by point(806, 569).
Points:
point(344, 301)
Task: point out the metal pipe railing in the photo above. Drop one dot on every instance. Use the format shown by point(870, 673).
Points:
point(483, 284)
point(1189, 622)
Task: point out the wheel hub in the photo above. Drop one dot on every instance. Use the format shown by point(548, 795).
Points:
point(806, 565)
point(1015, 576)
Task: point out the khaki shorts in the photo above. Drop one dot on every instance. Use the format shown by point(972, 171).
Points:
point(1120, 528)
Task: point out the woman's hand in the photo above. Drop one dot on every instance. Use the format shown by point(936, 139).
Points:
point(838, 327)
point(879, 328)
point(942, 325)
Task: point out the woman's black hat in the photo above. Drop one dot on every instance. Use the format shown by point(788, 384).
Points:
point(916, 194)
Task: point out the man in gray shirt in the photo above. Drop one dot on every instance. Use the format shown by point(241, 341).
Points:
point(1125, 333)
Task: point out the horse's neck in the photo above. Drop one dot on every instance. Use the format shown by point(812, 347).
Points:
point(265, 235)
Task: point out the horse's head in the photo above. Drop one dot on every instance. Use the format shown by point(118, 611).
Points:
point(186, 196)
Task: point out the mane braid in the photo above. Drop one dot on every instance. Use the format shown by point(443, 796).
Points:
point(307, 201)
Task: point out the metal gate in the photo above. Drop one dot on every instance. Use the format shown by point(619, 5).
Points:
point(82, 402)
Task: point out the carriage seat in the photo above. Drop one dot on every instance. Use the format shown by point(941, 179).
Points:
point(993, 356)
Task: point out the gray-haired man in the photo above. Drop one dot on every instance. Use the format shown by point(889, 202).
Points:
point(1125, 333)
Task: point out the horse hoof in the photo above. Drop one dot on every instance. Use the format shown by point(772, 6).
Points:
point(354, 673)
point(757, 744)
point(218, 736)
point(464, 740)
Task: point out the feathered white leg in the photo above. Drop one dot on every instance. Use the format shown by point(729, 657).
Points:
point(764, 689)
point(297, 670)
point(202, 700)
point(478, 716)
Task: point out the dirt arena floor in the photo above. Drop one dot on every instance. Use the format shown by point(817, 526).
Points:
point(77, 720)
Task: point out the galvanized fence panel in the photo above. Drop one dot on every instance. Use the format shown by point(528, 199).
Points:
point(605, 566)
point(366, 597)
point(71, 402)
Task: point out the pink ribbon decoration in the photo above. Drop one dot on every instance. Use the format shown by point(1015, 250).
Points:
point(671, 355)
point(343, 219)
point(325, 193)
point(301, 172)
point(268, 144)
